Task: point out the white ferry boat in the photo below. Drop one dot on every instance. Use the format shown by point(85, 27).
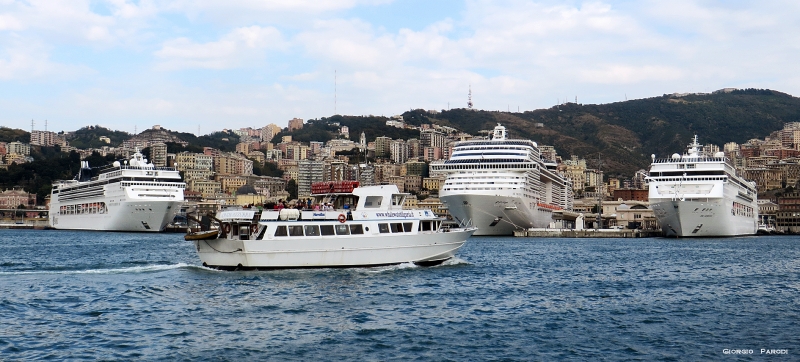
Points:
point(501, 185)
point(694, 195)
point(375, 231)
point(134, 196)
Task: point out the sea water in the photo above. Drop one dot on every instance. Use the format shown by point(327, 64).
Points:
point(67, 295)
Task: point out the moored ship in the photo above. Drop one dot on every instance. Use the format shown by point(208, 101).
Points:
point(501, 185)
point(359, 226)
point(131, 196)
point(699, 195)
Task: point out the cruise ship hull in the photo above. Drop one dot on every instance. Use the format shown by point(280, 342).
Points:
point(712, 218)
point(136, 216)
point(496, 215)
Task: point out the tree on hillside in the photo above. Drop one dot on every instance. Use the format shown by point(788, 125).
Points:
point(14, 135)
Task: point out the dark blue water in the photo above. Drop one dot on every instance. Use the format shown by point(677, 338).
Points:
point(118, 296)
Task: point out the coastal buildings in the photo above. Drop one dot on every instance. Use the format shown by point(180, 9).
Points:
point(773, 162)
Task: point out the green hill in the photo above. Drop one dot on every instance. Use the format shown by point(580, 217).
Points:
point(625, 134)
point(89, 137)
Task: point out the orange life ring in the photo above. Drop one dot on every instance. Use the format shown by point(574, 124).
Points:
point(253, 228)
point(226, 228)
point(342, 218)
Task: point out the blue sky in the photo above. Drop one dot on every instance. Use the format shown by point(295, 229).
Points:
point(129, 65)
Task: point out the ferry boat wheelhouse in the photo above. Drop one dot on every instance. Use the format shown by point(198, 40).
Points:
point(696, 195)
point(376, 230)
point(501, 185)
point(130, 196)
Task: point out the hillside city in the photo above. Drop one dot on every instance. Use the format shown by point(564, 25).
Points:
point(214, 178)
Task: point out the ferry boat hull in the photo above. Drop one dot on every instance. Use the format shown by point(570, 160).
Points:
point(365, 250)
point(378, 231)
point(496, 215)
point(710, 218)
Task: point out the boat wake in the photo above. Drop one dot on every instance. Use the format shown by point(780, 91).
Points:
point(455, 261)
point(395, 267)
point(404, 266)
point(135, 269)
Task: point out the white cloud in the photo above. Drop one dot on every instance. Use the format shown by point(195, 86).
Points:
point(236, 48)
point(9, 22)
point(31, 61)
point(512, 52)
point(624, 74)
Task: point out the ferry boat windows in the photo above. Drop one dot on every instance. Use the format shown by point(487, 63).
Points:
point(407, 226)
point(425, 226)
point(397, 227)
point(373, 202)
point(397, 199)
point(295, 230)
point(356, 229)
point(383, 228)
point(312, 230)
point(342, 230)
point(328, 229)
point(281, 231)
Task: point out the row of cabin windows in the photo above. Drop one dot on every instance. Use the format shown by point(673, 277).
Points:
point(317, 230)
point(395, 227)
point(347, 229)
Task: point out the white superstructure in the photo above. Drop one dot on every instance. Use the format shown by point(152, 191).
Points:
point(134, 196)
point(501, 185)
point(695, 195)
point(376, 231)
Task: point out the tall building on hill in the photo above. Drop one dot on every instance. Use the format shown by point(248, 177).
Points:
point(432, 138)
point(382, 146)
point(295, 124)
point(366, 174)
point(789, 135)
point(415, 148)
point(43, 138)
point(398, 151)
point(308, 173)
point(548, 152)
point(415, 168)
point(269, 131)
point(19, 148)
point(575, 169)
point(158, 154)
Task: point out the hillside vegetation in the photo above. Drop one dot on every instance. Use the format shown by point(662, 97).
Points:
point(625, 134)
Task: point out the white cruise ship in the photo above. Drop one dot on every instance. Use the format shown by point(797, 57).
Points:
point(694, 195)
point(501, 185)
point(134, 196)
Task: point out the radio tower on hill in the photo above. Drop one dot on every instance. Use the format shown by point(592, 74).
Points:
point(469, 98)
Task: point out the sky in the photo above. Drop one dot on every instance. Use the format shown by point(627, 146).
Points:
point(200, 66)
